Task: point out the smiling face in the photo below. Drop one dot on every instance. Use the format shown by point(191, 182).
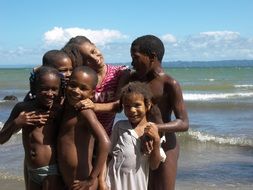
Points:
point(92, 56)
point(80, 87)
point(47, 89)
point(135, 108)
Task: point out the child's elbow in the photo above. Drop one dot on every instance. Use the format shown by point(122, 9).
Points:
point(185, 125)
point(107, 145)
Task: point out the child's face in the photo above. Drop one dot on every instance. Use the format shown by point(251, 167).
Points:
point(64, 66)
point(141, 63)
point(134, 108)
point(47, 90)
point(93, 57)
point(79, 88)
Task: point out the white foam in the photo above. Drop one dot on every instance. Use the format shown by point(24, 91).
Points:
point(243, 86)
point(203, 137)
point(214, 96)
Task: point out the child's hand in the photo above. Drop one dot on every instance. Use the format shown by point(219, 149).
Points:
point(146, 145)
point(82, 185)
point(85, 104)
point(151, 130)
point(32, 118)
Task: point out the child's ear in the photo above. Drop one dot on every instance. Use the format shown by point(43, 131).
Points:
point(153, 57)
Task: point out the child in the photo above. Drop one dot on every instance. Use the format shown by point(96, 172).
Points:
point(77, 133)
point(59, 60)
point(147, 53)
point(129, 166)
point(111, 78)
point(38, 120)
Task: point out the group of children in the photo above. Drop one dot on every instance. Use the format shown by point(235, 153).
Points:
point(69, 138)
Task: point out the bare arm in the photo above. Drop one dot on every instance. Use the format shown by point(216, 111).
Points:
point(155, 157)
point(19, 119)
point(106, 107)
point(10, 127)
point(102, 139)
point(181, 122)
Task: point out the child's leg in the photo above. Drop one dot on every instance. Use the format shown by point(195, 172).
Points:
point(53, 182)
point(102, 178)
point(25, 175)
point(164, 178)
point(31, 185)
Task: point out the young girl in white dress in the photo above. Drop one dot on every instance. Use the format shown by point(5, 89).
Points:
point(129, 165)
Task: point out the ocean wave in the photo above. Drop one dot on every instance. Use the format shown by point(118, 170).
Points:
point(5, 175)
point(204, 137)
point(214, 96)
point(243, 86)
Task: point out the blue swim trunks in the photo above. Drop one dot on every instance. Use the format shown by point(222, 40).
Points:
point(37, 175)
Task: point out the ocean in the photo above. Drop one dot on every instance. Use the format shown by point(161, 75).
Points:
point(216, 152)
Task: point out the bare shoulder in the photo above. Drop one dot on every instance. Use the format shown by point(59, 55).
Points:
point(89, 117)
point(171, 83)
point(88, 114)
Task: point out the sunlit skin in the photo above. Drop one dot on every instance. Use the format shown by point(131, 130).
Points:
point(168, 97)
point(93, 57)
point(95, 60)
point(36, 118)
point(77, 134)
point(135, 109)
point(48, 90)
point(79, 88)
point(64, 66)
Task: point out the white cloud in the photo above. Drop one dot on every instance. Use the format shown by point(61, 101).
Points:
point(59, 36)
point(206, 46)
point(211, 45)
point(221, 35)
point(168, 38)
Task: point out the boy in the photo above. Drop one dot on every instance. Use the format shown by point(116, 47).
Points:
point(38, 120)
point(77, 133)
point(59, 60)
point(147, 53)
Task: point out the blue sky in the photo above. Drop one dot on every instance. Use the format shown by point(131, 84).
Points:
point(192, 30)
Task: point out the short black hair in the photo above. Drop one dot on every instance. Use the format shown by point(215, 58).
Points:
point(89, 71)
point(52, 56)
point(39, 73)
point(149, 44)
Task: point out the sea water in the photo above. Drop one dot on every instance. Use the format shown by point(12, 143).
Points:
point(216, 152)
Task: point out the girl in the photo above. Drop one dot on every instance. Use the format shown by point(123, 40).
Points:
point(111, 79)
point(39, 121)
point(129, 166)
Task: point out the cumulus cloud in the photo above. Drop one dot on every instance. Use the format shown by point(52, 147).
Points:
point(211, 45)
point(169, 38)
point(204, 46)
point(59, 35)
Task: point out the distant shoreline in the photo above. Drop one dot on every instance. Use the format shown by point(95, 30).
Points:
point(166, 64)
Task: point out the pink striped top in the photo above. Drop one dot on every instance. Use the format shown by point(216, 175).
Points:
point(106, 92)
